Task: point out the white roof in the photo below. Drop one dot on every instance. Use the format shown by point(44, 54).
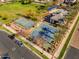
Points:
point(57, 17)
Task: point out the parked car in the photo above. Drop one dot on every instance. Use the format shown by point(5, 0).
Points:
point(12, 36)
point(5, 57)
point(19, 43)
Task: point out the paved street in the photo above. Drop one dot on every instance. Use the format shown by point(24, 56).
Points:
point(15, 52)
point(73, 51)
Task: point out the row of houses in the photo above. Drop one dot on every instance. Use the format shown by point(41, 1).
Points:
point(5, 0)
point(59, 1)
point(46, 1)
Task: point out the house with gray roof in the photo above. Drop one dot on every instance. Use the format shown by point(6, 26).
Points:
point(42, 1)
point(59, 18)
point(70, 1)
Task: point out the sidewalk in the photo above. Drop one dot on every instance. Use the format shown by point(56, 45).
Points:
point(35, 46)
point(64, 39)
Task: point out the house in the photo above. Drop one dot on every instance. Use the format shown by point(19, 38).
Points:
point(2, 0)
point(56, 17)
point(5, 0)
point(67, 1)
point(70, 1)
point(46, 1)
point(59, 18)
point(60, 1)
point(42, 1)
point(62, 11)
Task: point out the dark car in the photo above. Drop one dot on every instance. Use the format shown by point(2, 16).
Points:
point(19, 43)
point(5, 57)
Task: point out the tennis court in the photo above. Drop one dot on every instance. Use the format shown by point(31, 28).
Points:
point(27, 23)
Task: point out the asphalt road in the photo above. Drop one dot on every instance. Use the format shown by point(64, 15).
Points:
point(72, 53)
point(14, 51)
point(73, 50)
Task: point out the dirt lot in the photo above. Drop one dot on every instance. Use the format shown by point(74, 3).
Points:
point(75, 42)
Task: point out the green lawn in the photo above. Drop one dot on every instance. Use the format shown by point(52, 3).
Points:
point(10, 11)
